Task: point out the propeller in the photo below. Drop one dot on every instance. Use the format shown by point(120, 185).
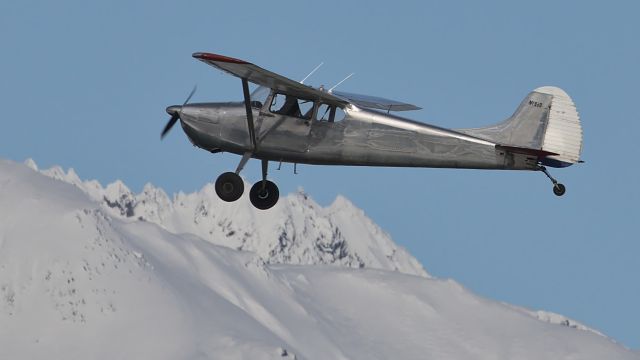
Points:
point(174, 111)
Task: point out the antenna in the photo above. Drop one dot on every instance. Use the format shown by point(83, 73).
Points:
point(311, 73)
point(343, 80)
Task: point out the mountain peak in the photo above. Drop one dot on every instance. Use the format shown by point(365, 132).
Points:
point(296, 231)
point(341, 203)
point(31, 164)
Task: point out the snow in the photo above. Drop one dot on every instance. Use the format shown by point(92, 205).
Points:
point(296, 231)
point(79, 280)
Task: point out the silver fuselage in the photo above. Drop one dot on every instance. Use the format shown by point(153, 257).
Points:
point(364, 137)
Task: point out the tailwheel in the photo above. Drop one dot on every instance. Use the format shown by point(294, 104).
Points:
point(229, 186)
point(559, 189)
point(264, 194)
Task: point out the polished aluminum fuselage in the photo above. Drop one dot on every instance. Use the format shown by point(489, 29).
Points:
point(364, 137)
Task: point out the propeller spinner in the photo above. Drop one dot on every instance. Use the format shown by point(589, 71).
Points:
point(174, 111)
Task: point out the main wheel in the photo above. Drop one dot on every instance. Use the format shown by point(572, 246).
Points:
point(229, 186)
point(264, 198)
point(559, 189)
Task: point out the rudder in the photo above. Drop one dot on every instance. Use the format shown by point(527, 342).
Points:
point(563, 134)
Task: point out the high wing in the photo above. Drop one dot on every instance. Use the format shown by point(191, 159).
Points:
point(374, 102)
point(260, 76)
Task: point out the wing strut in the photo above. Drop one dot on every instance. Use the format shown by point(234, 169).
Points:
point(247, 105)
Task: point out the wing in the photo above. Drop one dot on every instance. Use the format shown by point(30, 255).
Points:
point(373, 102)
point(260, 76)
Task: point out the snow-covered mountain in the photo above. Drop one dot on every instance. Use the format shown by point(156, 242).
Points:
point(76, 281)
point(296, 231)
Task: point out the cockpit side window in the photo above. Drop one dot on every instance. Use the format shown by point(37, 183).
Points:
point(292, 106)
point(324, 112)
point(329, 113)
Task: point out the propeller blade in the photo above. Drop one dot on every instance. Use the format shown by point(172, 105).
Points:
point(170, 124)
point(193, 91)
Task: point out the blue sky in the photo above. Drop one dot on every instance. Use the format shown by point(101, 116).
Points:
point(85, 85)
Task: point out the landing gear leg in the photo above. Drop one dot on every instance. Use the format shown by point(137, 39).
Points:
point(264, 194)
point(558, 188)
point(243, 162)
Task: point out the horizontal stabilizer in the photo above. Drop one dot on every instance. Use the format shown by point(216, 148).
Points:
point(373, 102)
point(526, 151)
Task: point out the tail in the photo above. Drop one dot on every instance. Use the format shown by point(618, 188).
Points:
point(546, 120)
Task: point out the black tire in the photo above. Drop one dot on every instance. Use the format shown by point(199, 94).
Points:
point(229, 186)
point(266, 198)
point(559, 189)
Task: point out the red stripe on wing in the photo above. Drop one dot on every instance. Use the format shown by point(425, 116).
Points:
point(216, 57)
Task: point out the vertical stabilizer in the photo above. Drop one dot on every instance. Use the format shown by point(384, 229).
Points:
point(547, 120)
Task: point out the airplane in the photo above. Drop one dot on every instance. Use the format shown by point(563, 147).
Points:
point(284, 120)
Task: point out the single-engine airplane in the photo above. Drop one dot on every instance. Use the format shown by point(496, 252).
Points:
point(287, 121)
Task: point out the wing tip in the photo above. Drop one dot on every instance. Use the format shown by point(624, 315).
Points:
point(204, 56)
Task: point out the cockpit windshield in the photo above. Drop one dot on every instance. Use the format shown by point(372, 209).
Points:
point(259, 96)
